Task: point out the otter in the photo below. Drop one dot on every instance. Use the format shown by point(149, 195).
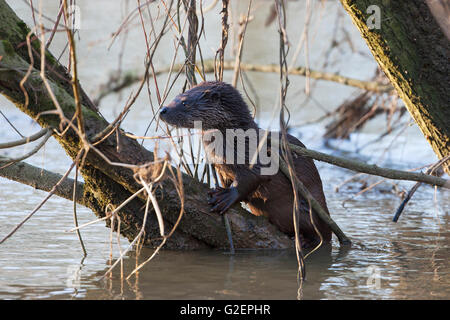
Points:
point(220, 107)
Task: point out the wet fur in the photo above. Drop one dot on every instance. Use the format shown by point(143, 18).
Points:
point(220, 106)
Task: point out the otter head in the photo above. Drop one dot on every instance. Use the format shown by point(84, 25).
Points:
point(216, 105)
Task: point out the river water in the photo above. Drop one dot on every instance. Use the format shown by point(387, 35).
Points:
point(403, 260)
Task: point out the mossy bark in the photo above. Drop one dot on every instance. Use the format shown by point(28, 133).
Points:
point(106, 184)
point(414, 52)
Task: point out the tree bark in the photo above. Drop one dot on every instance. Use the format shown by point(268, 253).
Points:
point(44, 180)
point(107, 184)
point(414, 53)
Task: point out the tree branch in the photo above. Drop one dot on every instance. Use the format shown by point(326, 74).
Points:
point(25, 140)
point(9, 161)
point(118, 84)
point(42, 179)
point(371, 168)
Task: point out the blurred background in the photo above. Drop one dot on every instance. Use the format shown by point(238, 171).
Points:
point(409, 258)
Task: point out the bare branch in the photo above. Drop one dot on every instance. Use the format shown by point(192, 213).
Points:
point(374, 86)
point(9, 161)
point(371, 168)
point(44, 180)
point(25, 140)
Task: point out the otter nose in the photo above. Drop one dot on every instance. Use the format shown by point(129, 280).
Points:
point(163, 110)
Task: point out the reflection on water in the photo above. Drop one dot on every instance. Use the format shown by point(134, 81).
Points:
point(408, 259)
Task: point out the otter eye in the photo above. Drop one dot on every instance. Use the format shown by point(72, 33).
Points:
point(183, 103)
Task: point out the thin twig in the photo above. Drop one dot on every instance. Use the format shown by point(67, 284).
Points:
point(24, 140)
point(10, 161)
point(241, 36)
point(39, 205)
point(288, 165)
point(411, 192)
point(123, 204)
point(75, 217)
point(10, 123)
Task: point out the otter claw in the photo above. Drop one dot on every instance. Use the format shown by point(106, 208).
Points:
point(214, 194)
point(215, 191)
point(222, 199)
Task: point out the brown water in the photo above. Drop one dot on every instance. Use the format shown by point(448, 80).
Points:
point(404, 260)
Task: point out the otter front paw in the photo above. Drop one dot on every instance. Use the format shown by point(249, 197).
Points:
point(222, 199)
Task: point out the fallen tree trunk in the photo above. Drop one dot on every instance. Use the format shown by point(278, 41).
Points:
point(413, 52)
point(105, 183)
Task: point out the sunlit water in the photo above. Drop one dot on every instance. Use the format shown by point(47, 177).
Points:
point(403, 260)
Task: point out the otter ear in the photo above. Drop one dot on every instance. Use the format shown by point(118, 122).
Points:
point(212, 95)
